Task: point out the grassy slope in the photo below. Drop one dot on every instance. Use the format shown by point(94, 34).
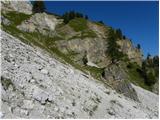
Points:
point(80, 25)
point(135, 76)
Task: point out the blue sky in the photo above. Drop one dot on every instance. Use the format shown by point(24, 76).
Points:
point(137, 20)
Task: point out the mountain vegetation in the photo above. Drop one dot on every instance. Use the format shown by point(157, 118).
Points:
point(113, 47)
point(38, 6)
point(72, 15)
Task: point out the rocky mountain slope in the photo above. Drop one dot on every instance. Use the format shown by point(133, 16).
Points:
point(44, 75)
point(35, 85)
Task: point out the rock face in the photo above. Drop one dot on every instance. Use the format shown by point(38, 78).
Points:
point(118, 78)
point(96, 47)
point(133, 53)
point(19, 6)
point(40, 22)
point(93, 47)
point(156, 87)
point(35, 85)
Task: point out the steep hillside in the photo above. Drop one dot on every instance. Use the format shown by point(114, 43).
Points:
point(35, 85)
point(80, 43)
point(57, 69)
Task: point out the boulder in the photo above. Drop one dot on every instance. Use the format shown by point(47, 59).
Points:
point(40, 95)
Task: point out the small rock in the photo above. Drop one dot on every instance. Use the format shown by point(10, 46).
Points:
point(50, 98)
point(24, 112)
point(107, 91)
point(32, 80)
point(1, 115)
point(56, 109)
point(27, 104)
point(40, 95)
point(44, 71)
point(111, 112)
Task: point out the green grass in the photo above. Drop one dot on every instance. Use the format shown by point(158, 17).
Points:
point(16, 17)
point(78, 24)
point(136, 78)
point(94, 71)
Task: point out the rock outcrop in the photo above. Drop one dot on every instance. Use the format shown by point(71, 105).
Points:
point(19, 6)
point(134, 54)
point(40, 22)
point(35, 85)
point(116, 76)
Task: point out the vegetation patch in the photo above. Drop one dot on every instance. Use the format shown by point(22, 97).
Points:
point(94, 71)
point(136, 77)
point(78, 24)
point(16, 17)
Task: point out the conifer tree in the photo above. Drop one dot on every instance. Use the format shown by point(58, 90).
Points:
point(38, 7)
point(113, 47)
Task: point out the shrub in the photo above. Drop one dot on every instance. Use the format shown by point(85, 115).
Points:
point(84, 59)
point(150, 80)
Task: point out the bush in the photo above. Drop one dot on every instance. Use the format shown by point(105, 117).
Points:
point(84, 59)
point(150, 80)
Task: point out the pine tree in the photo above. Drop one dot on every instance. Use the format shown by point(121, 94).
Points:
point(38, 7)
point(138, 46)
point(113, 47)
point(156, 61)
point(86, 17)
point(124, 37)
point(72, 15)
point(119, 34)
point(66, 17)
point(101, 22)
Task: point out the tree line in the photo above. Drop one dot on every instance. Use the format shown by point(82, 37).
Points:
point(71, 15)
point(150, 69)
